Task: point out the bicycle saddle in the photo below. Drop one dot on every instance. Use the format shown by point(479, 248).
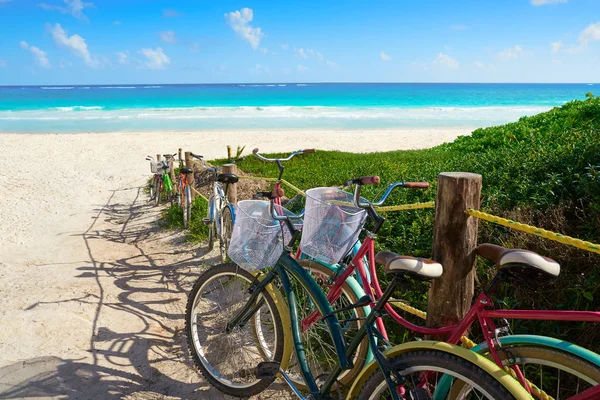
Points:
point(517, 258)
point(227, 178)
point(419, 267)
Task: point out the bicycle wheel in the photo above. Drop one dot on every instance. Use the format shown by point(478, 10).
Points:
point(186, 205)
point(159, 189)
point(226, 228)
point(475, 382)
point(558, 373)
point(152, 188)
point(210, 222)
point(229, 361)
point(317, 342)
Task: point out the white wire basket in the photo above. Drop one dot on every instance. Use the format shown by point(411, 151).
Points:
point(153, 167)
point(257, 239)
point(331, 224)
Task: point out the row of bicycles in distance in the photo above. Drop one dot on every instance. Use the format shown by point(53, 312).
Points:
point(220, 212)
point(301, 298)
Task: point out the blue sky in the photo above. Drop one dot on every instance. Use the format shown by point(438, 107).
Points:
point(135, 41)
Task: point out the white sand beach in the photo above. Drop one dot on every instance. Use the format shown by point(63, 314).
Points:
point(92, 291)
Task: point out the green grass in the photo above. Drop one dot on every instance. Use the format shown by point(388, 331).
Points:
point(172, 218)
point(542, 170)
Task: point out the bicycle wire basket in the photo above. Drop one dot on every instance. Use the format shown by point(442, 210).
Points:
point(332, 224)
point(257, 238)
point(205, 177)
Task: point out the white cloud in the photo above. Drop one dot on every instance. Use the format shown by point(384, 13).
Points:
point(302, 68)
point(458, 27)
point(332, 65)
point(171, 13)
point(72, 7)
point(117, 23)
point(122, 57)
point(64, 64)
point(284, 46)
point(542, 2)
point(40, 56)
point(300, 53)
point(511, 53)
point(75, 43)
point(239, 21)
point(260, 69)
point(319, 56)
point(591, 33)
point(3, 63)
point(385, 57)
point(194, 47)
point(264, 50)
point(4, 1)
point(168, 36)
point(444, 60)
point(155, 58)
point(556, 46)
point(478, 64)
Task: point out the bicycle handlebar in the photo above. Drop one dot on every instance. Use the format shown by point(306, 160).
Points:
point(295, 153)
point(198, 157)
point(365, 180)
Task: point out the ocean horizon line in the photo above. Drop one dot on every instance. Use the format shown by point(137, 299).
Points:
point(96, 85)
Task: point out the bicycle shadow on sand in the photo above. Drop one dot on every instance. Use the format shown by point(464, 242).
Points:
point(137, 347)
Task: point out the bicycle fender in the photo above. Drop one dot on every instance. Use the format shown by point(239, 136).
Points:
point(545, 341)
point(284, 313)
point(505, 380)
point(232, 210)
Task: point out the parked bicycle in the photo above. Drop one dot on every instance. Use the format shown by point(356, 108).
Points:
point(236, 335)
point(161, 184)
point(544, 366)
point(220, 214)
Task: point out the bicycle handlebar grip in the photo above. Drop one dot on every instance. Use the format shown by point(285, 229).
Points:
point(416, 185)
point(370, 180)
point(255, 151)
point(308, 151)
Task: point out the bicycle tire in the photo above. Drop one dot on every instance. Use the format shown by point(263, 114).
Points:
point(583, 374)
point(159, 189)
point(324, 274)
point(226, 229)
point(444, 363)
point(200, 353)
point(211, 225)
point(151, 189)
point(186, 205)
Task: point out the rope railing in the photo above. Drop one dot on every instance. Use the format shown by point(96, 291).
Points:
point(557, 237)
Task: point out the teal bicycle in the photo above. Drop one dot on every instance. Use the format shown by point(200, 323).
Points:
point(237, 335)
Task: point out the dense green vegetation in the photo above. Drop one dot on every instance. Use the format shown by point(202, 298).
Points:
point(542, 170)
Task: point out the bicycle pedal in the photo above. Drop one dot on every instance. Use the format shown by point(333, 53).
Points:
point(206, 221)
point(267, 369)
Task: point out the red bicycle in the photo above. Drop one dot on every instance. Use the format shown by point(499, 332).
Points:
point(545, 366)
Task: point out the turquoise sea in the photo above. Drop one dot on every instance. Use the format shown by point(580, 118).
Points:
point(112, 108)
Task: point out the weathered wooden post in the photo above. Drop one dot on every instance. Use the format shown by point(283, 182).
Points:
point(158, 158)
point(232, 191)
point(189, 163)
point(454, 242)
point(229, 152)
point(172, 171)
point(179, 157)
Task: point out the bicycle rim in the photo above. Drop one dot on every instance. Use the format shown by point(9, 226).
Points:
point(229, 361)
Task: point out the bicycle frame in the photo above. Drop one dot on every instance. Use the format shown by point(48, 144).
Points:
point(482, 311)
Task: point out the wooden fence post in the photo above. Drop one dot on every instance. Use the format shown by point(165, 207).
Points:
point(232, 191)
point(189, 163)
point(229, 152)
point(179, 157)
point(454, 242)
point(172, 172)
point(158, 158)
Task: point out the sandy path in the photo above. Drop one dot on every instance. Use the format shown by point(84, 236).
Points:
point(92, 293)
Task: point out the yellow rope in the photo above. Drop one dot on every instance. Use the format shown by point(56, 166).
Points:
point(403, 306)
point(557, 237)
point(198, 193)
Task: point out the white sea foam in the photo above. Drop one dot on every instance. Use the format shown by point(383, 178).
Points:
point(78, 108)
point(151, 87)
point(57, 87)
point(117, 87)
